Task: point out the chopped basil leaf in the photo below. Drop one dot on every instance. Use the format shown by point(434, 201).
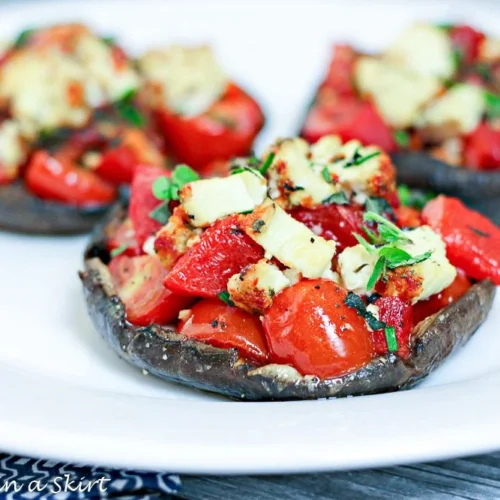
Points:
point(336, 199)
point(484, 71)
point(118, 251)
point(366, 158)
point(378, 271)
point(127, 110)
point(326, 175)
point(390, 336)
point(388, 231)
point(414, 198)
point(23, 38)
point(396, 257)
point(378, 205)
point(183, 175)
point(402, 138)
point(457, 58)
point(369, 248)
point(108, 40)
point(161, 188)
point(224, 296)
point(356, 302)
point(444, 26)
point(267, 163)
point(492, 102)
point(161, 213)
point(357, 159)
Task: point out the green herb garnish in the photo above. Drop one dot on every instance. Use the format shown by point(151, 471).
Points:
point(267, 163)
point(118, 251)
point(224, 296)
point(484, 71)
point(23, 38)
point(390, 336)
point(414, 198)
point(402, 138)
point(109, 40)
point(356, 302)
point(127, 110)
point(357, 159)
point(378, 205)
point(166, 189)
point(326, 175)
point(457, 58)
point(492, 102)
point(379, 270)
point(161, 213)
point(336, 199)
point(389, 232)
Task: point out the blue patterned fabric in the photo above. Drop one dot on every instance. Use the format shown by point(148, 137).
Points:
point(34, 479)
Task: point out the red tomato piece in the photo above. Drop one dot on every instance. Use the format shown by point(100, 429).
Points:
point(350, 119)
point(139, 284)
point(228, 128)
point(472, 240)
point(339, 76)
point(124, 237)
point(220, 325)
point(309, 327)
point(333, 222)
point(55, 180)
point(407, 216)
point(223, 250)
point(143, 202)
point(435, 303)
point(467, 41)
point(482, 148)
point(396, 313)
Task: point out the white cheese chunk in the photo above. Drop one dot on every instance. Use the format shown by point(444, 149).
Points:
point(254, 288)
point(207, 200)
point(425, 49)
point(398, 93)
point(356, 264)
point(12, 153)
point(462, 106)
point(297, 177)
point(290, 241)
point(189, 79)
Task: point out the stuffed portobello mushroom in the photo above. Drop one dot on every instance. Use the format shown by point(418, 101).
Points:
point(432, 99)
point(297, 276)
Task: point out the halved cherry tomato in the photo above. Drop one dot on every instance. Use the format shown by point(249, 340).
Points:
point(123, 237)
point(472, 240)
point(407, 216)
point(434, 304)
point(119, 163)
point(349, 118)
point(333, 222)
point(220, 325)
point(139, 284)
point(228, 128)
point(223, 250)
point(467, 41)
point(52, 179)
point(482, 148)
point(396, 313)
point(143, 202)
point(309, 327)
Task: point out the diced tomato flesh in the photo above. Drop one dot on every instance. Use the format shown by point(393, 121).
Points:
point(396, 313)
point(214, 322)
point(139, 284)
point(467, 41)
point(482, 148)
point(472, 241)
point(143, 202)
point(223, 250)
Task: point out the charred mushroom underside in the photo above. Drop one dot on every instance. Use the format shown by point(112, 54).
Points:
point(22, 212)
point(165, 353)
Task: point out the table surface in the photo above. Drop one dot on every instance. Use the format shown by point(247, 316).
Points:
point(467, 478)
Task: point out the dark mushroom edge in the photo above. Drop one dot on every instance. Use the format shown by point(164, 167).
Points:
point(165, 353)
point(22, 212)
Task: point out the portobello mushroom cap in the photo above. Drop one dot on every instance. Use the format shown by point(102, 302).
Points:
point(22, 212)
point(169, 355)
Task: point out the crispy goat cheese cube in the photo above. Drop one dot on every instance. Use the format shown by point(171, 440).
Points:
point(398, 93)
point(187, 80)
point(461, 108)
point(12, 151)
point(425, 49)
point(290, 241)
point(175, 238)
point(416, 282)
point(327, 149)
point(114, 78)
point(374, 176)
point(207, 200)
point(489, 50)
point(295, 178)
point(254, 288)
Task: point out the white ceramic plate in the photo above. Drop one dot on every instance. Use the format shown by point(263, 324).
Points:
point(65, 395)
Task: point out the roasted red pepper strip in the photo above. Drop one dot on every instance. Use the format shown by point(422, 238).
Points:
point(123, 240)
point(223, 250)
point(467, 41)
point(228, 128)
point(396, 313)
point(58, 180)
point(309, 327)
point(220, 325)
point(482, 148)
point(139, 284)
point(472, 240)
